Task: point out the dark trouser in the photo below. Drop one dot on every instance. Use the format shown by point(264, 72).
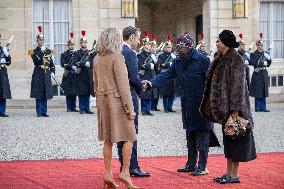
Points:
point(260, 104)
point(133, 160)
point(145, 105)
point(154, 104)
point(2, 106)
point(197, 142)
point(41, 106)
point(71, 102)
point(84, 103)
point(168, 103)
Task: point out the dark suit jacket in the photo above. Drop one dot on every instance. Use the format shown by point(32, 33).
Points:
point(135, 83)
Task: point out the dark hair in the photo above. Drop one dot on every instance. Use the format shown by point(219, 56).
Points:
point(128, 31)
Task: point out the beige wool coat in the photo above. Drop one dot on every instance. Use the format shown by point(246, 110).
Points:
point(114, 100)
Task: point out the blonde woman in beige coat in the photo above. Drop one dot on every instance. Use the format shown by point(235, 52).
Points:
point(115, 109)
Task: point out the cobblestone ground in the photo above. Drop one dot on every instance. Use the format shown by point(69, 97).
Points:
point(23, 136)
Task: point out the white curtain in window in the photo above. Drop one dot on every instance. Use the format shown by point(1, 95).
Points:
point(278, 30)
point(41, 17)
point(265, 23)
point(61, 15)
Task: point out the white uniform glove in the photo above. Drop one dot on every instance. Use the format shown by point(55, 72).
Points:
point(74, 68)
point(247, 55)
point(87, 64)
point(173, 55)
point(265, 63)
point(43, 48)
point(246, 62)
point(267, 56)
point(3, 61)
point(52, 74)
point(154, 58)
point(6, 51)
point(152, 66)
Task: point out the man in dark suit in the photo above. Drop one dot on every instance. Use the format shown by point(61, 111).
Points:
point(131, 37)
point(190, 68)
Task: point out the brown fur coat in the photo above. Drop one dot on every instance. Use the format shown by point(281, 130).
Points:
point(226, 89)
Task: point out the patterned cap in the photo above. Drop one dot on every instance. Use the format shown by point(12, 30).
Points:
point(185, 40)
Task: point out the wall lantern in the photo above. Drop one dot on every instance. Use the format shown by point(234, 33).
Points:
point(239, 8)
point(129, 8)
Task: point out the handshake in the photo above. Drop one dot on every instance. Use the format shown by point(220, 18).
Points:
point(146, 84)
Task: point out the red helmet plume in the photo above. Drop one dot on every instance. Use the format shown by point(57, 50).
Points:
point(146, 33)
point(153, 37)
point(241, 36)
point(202, 36)
point(260, 35)
point(169, 37)
point(39, 29)
point(71, 34)
point(83, 33)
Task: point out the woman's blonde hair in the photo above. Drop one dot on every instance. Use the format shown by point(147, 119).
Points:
point(110, 41)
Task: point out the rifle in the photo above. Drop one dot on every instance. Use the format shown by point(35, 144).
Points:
point(57, 83)
point(251, 46)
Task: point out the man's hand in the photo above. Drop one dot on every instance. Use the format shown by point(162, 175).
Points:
point(6, 51)
point(131, 115)
point(42, 48)
point(52, 74)
point(87, 64)
point(74, 68)
point(146, 84)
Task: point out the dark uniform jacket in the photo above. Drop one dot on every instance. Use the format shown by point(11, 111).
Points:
point(83, 78)
point(191, 73)
point(5, 92)
point(41, 86)
point(91, 59)
point(69, 79)
point(147, 73)
point(242, 53)
point(164, 62)
point(259, 80)
point(135, 83)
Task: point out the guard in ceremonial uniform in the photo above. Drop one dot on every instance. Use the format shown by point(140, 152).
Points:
point(164, 62)
point(154, 50)
point(5, 92)
point(245, 55)
point(260, 60)
point(69, 78)
point(41, 85)
point(81, 62)
point(202, 47)
point(146, 67)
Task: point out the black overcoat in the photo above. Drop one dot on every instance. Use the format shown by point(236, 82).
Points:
point(41, 85)
point(5, 91)
point(259, 80)
point(69, 78)
point(191, 74)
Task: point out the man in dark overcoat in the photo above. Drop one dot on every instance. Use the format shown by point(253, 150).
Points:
point(190, 69)
point(5, 92)
point(131, 37)
point(260, 60)
point(69, 78)
point(167, 91)
point(41, 85)
point(81, 60)
point(146, 67)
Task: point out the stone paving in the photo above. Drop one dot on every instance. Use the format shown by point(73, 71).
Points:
point(23, 136)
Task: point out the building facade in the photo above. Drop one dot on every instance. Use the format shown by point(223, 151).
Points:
point(162, 17)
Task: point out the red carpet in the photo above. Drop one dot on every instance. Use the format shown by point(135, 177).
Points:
point(265, 172)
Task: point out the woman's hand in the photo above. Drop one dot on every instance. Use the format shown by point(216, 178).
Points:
point(234, 115)
point(131, 115)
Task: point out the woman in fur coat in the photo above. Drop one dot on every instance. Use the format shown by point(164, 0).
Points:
point(226, 94)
